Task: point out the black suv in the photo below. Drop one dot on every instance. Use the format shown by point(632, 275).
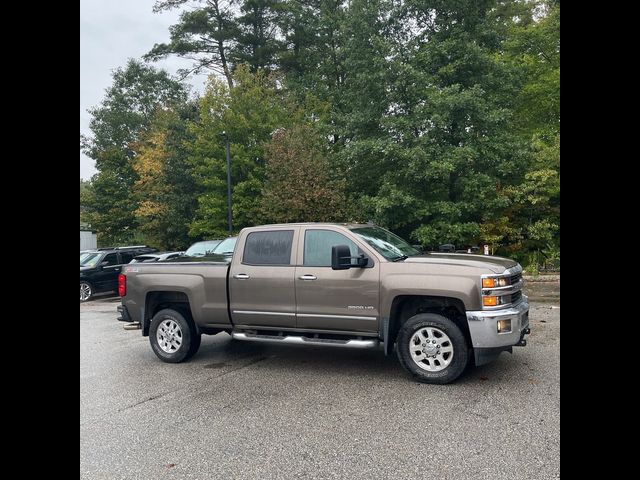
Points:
point(99, 268)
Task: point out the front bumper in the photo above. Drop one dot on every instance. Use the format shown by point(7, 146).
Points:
point(486, 340)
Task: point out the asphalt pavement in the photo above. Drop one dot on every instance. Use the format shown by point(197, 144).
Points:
point(241, 410)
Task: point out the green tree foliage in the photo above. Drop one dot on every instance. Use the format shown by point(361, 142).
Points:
point(299, 186)
point(248, 113)
point(440, 118)
point(204, 34)
point(165, 189)
point(257, 41)
point(128, 106)
point(534, 48)
point(445, 147)
point(85, 199)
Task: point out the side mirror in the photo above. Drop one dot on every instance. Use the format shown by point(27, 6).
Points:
point(104, 264)
point(340, 257)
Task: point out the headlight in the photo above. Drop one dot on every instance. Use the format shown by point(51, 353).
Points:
point(493, 301)
point(495, 282)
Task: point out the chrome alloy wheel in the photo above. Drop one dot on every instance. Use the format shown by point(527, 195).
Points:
point(169, 336)
point(431, 349)
point(85, 291)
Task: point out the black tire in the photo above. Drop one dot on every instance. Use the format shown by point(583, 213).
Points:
point(195, 345)
point(91, 291)
point(189, 338)
point(460, 354)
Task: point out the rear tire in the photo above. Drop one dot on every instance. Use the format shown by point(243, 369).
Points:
point(173, 338)
point(86, 291)
point(432, 348)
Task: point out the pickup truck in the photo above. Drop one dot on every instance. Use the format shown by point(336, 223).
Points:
point(338, 285)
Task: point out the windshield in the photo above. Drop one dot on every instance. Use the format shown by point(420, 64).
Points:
point(226, 246)
point(390, 246)
point(89, 259)
point(200, 249)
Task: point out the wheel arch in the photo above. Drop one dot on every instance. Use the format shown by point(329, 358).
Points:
point(404, 307)
point(159, 300)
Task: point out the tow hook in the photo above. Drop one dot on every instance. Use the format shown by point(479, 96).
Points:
point(522, 342)
point(132, 326)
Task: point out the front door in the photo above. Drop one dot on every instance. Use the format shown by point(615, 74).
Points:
point(261, 281)
point(327, 299)
point(107, 277)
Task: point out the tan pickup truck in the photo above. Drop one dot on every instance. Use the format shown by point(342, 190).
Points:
point(339, 285)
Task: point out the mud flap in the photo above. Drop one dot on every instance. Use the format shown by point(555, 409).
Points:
point(387, 345)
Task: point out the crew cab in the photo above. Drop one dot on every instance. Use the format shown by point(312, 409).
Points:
point(338, 285)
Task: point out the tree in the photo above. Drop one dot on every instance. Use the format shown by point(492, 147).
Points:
point(299, 186)
point(204, 35)
point(85, 198)
point(448, 148)
point(248, 113)
point(257, 42)
point(534, 47)
point(128, 106)
point(165, 189)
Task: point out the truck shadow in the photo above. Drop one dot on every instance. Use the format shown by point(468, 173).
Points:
point(220, 351)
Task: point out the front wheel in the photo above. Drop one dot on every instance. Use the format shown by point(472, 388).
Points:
point(432, 348)
point(173, 338)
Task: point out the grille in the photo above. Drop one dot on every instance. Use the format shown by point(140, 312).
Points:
point(515, 278)
point(516, 296)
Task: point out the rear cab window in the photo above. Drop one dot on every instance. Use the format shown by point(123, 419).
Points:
point(269, 247)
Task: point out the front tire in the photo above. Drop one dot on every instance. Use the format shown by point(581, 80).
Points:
point(432, 348)
point(173, 339)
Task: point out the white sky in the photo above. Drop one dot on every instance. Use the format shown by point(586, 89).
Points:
point(112, 31)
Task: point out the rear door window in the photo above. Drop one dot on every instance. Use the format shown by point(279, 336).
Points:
point(268, 248)
point(111, 259)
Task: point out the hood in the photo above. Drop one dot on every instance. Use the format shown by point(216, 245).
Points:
point(495, 264)
point(84, 269)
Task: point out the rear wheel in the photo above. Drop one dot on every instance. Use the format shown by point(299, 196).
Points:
point(173, 338)
point(86, 291)
point(432, 348)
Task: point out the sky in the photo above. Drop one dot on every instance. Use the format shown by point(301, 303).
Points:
point(112, 31)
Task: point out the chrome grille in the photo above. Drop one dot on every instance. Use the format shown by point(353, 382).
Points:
point(513, 279)
point(515, 297)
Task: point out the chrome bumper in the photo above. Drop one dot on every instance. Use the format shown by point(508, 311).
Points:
point(484, 330)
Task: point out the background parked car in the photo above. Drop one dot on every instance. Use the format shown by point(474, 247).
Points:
point(200, 249)
point(226, 247)
point(156, 257)
point(99, 268)
point(220, 253)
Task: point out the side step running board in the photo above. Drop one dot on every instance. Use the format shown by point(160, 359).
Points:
point(297, 340)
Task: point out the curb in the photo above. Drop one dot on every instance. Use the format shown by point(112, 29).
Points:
point(542, 278)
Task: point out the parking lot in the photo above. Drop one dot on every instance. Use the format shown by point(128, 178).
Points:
point(245, 410)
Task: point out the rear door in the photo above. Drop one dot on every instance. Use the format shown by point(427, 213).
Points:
point(329, 299)
point(261, 280)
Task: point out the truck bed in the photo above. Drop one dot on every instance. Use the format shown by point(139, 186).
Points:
point(203, 284)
